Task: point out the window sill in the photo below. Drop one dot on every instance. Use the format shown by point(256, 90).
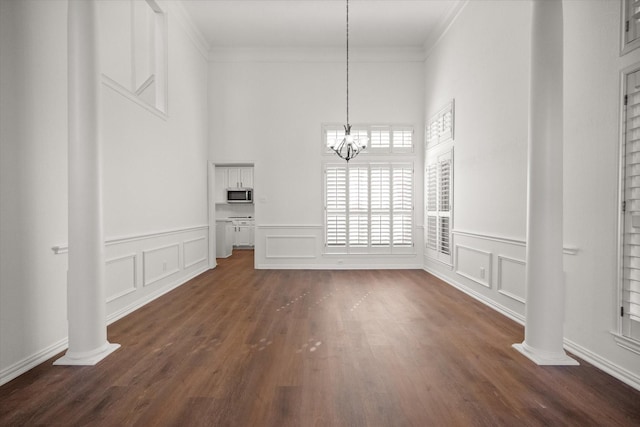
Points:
point(368, 254)
point(626, 342)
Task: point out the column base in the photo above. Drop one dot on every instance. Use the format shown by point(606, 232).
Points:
point(89, 358)
point(545, 358)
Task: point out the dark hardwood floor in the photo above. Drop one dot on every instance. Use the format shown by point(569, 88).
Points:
point(243, 347)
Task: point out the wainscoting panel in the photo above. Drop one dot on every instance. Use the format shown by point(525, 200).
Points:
point(140, 268)
point(159, 263)
point(501, 260)
point(287, 246)
point(121, 276)
point(511, 278)
point(129, 260)
point(474, 264)
point(292, 247)
point(163, 261)
point(195, 251)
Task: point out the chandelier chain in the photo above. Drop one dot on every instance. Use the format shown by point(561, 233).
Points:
point(348, 146)
point(347, 62)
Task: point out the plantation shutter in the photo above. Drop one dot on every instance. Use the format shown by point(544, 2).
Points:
point(369, 208)
point(438, 188)
point(380, 206)
point(380, 138)
point(439, 128)
point(403, 206)
point(632, 24)
point(358, 206)
point(631, 251)
point(444, 209)
point(332, 136)
point(387, 139)
point(432, 206)
point(336, 205)
point(402, 139)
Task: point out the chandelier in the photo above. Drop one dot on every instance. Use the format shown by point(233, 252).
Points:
point(349, 146)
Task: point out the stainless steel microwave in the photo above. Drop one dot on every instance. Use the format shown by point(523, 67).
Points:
point(239, 195)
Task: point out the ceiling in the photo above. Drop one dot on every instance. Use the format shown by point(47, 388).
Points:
point(320, 23)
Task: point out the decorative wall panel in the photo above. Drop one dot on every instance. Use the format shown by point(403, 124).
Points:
point(279, 246)
point(121, 276)
point(159, 263)
point(195, 251)
point(511, 278)
point(474, 264)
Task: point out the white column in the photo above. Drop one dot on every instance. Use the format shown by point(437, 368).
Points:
point(544, 327)
point(86, 301)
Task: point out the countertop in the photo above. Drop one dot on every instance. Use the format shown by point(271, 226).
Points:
point(234, 218)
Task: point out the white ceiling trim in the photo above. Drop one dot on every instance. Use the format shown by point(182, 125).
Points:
point(177, 10)
point(320, 23)
point(319, 54)
point(440, 32)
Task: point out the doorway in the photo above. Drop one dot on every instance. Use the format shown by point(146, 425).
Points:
point(232, 212)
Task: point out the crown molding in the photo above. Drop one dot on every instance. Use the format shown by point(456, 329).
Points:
point(441, 30)
point(315, 54)
point(177, 10)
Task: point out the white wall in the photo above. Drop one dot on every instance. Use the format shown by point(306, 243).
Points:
point(154, 182)
point(483, 62)
point(591, 157)
point(33, 180)
point(267, 108)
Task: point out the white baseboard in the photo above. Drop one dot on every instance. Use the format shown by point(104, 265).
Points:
point(26, 364)
point(599, 362)
point(516, 317)
point(339, 267)
point(113, 317)
point(603, 364)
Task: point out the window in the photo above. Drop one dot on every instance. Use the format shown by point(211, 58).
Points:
point(630, 283)
point(440, 127)
point(630, 25)
point(439, 132)
point(383, 139)
point(438, 189)
point(133, 51)
point(369, 207)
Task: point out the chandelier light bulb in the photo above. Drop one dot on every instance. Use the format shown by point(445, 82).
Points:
point(350, 146)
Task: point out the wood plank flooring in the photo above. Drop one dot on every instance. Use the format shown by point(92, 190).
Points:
point(243, 347)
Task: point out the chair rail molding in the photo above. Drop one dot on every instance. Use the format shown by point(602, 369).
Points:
point(567, 250)
point(63, 249)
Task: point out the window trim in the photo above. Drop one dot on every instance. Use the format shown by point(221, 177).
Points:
point(626, 340)
point(433, 159)
point(627, 46)
point(446, 126)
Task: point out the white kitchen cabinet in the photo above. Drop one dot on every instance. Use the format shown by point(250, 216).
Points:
point(225, 235)
point(231, 177)
point(244, 236)
point(240, 177)
point(246, 177)
point(221, 184)
point(244, 233)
